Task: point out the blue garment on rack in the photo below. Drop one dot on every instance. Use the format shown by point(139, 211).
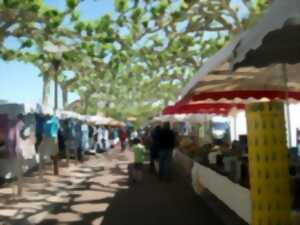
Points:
point(71, 129)
point(40, 119)
point(51, 127)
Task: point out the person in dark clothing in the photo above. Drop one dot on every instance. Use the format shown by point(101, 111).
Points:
point(167, 141)
point(154, 147)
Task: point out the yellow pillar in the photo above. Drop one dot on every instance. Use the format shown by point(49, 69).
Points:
point(268, 164)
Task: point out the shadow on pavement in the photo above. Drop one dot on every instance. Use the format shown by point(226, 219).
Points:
point(93, 194)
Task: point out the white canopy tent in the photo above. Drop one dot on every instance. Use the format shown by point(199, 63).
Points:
point(210, 65)
point(274, 40)
point(97, 119)
point(192, 118)
point(68, 115)
point(221, 84)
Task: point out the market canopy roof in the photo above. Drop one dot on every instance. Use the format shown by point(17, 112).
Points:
point(274, 39)
point(62, 114)
point(211, 64)
point(193, 118)
point(216, 81)
point(202, 108)
point(246, 83)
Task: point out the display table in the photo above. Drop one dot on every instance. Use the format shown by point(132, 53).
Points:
point(234, 196)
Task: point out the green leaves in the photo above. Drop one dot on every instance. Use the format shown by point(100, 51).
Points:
point(89, 29)
point(35, 7)
point(121, 5)
point(75, 16)
point(163, 5)
point(103, 24)
point(8, 55)
point(136, 15)
point(79, 26)
point(71, 4)
point(11, 3)
point(27, 44)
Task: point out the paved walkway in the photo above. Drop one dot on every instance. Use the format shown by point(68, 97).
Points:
point(97, 192)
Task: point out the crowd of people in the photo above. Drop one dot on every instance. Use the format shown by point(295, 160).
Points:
point(160, 142)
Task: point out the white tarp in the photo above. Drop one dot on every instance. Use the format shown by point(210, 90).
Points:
point(68, 115)
point(192, 118)
point(98, 119)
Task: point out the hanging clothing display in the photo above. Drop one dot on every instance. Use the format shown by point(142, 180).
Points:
point(70, 135)
point(62, 136)
point(78, 135)
point(51, 127)
point(12, 138)
point(85, 145)
point(40, 120)
point(26, 135)
point(49, 146)
point(50, 133)
point(3, 128)
point(3, 135)
point(100, 139)
point(92, 134)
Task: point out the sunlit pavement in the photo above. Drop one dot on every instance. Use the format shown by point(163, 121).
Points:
point(98, 192)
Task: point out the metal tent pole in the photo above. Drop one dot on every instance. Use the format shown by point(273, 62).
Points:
point(288, 112)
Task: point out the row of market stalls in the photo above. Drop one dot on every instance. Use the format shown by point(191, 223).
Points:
point(21, 132)
point(252, 81)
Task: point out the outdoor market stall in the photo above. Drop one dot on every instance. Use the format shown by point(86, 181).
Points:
point(217, 82)
point(275, 39)
point(17, 141)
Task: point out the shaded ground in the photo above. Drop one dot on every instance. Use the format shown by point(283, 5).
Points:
point(98, 192)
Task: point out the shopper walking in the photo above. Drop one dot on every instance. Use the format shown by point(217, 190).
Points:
point(123, 137)
point(167, 140)
point(139, 157)
point(154, 147)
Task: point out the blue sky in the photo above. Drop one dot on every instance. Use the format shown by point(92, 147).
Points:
point(20, 82)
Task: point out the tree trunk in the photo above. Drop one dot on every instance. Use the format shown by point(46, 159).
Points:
point(86, 103)
point(46, 89)
point(55, 92)
point(64, 96)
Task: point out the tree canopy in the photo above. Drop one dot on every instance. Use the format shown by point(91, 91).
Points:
point(130, 62)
